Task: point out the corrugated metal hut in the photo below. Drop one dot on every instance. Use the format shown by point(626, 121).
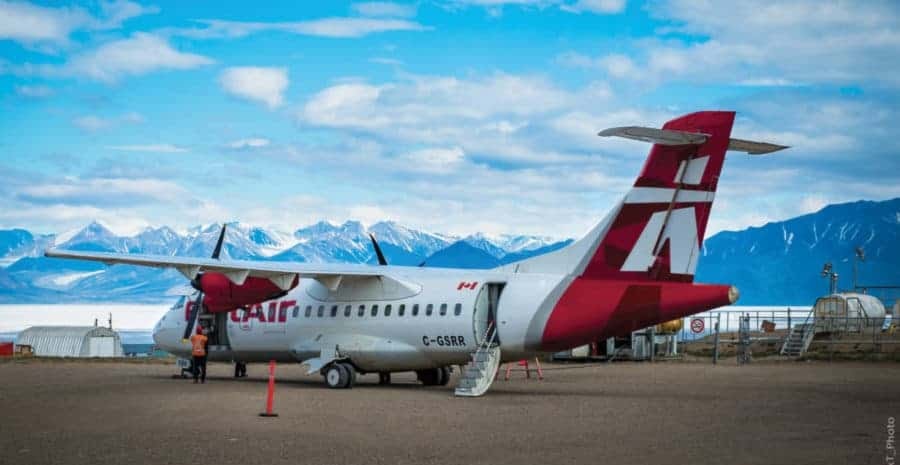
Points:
point(72, 341)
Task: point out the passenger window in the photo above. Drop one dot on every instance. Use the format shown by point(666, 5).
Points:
point(387, 310)
point(333, 311)
point(415, 310)
point(321, 311)
point(375, 310)
point(308, 310)
point(443, 309)
point(296, 311)
point(401, 310)
point(457, 310)
point(347, 310)
point(429, 309)
point(362, 310)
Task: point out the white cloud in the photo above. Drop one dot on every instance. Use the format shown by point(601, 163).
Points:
point(36, 91)
point(325, 27)
point(263, 85)
point(384, 9)
point(500, 116)
point(251, 143)
point(154, 148)
point(101, 191)
point(91, 123)
point(29, 24)
point(434, 160)
point(780, 44)
point(141, 53)
point(596, 6)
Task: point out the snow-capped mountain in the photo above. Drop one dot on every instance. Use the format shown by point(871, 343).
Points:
point(782, 261)
point(778, 263)
point(322, 242)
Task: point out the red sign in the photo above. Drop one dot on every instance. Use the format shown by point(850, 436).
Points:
point(697, 325)
point(466, 285)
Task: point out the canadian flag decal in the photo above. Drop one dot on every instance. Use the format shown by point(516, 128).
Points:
point(466, 285)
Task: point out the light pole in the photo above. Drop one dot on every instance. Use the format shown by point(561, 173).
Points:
point(828, 272)
point(860, 257)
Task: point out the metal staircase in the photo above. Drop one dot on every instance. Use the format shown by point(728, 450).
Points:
point(800, 337)
point(480, 372)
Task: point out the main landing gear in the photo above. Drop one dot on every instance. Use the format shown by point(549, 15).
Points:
point(340, 375)
point(434, 377)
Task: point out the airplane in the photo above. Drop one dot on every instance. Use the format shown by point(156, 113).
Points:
point(634, 269)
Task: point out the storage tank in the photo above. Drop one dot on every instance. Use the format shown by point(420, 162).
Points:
point(848, 311)
point(670, 327)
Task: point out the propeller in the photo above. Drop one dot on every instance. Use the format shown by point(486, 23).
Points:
point(197, 282)
point(381, 260)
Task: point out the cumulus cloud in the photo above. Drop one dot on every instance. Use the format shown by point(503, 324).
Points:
point(28, 23)
point(141, 53)
point(485, 116)
point(258, 84)
point(434, 160)
point(780, 43)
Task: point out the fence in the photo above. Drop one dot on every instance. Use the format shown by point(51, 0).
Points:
point(832, 334)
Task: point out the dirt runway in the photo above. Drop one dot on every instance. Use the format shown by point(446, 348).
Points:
point(622, 413)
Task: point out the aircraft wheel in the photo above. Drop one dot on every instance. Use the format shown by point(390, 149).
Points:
point(428, 377)
point(443, 376)
point(384, 378)
point(351, 375)
point(336, 376)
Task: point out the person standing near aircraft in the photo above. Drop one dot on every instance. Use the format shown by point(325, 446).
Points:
point(198, 352)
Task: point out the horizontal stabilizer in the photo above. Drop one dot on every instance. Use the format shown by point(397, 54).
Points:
point(672, 137)
point(753, 148)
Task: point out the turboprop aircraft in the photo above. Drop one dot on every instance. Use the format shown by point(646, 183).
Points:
point(632, 270)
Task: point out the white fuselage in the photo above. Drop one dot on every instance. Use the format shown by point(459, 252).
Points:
point(436, 319)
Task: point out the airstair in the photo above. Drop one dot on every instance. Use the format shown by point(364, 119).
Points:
point(479, 374)
point(800, 337)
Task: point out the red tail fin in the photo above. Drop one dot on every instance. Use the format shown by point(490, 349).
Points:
point(657, 233)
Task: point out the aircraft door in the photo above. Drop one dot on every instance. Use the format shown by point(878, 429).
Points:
point(484, 317)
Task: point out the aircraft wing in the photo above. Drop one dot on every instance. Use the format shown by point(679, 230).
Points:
point(282, 274)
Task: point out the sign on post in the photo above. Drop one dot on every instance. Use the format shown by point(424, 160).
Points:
point(697, 325)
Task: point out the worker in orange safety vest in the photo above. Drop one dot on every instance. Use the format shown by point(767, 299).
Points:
point(198, 353)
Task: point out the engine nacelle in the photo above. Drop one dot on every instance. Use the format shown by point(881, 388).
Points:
point(220, 294)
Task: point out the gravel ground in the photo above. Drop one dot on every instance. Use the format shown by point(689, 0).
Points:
point(623, 413)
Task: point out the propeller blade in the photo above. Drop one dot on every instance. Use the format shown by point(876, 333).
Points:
point(192, 319)
point(218, 250)
point(381, 260)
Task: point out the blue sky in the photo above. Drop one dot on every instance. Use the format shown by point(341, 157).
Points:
point(457, 117)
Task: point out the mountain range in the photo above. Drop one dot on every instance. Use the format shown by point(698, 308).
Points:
point(775, 264)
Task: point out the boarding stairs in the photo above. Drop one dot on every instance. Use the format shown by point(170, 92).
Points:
point(480, 373)
point(800, 337)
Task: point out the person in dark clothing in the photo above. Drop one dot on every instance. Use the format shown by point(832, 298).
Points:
point(198, 353)
point(240, 370)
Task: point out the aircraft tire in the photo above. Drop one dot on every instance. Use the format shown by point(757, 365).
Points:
point(429, 377)
point(336, 376)
point(384, 378)
point(351, 375)
point(444, 376)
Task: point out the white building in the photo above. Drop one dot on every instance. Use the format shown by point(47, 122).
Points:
point(72, 341)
